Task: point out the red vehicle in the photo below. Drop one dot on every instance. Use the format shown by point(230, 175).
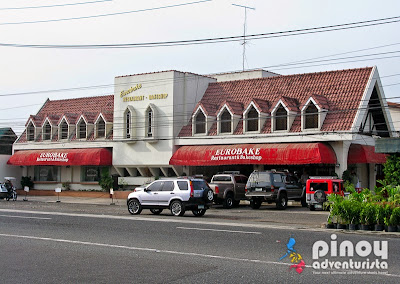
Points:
point(318, 188)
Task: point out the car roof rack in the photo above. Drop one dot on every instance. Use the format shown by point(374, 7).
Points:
point(230, 172)
point(323, 177)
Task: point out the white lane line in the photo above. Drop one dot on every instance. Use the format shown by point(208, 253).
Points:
point(147, 249)
point(216, 230)
point(25, 217)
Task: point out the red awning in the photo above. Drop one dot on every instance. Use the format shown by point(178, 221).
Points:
point(62, 157)
point(267, 154)
point(363, 154)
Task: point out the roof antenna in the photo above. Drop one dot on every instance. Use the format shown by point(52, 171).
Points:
point(244, 28)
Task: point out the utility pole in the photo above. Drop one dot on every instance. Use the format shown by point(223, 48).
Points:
point(244, 28)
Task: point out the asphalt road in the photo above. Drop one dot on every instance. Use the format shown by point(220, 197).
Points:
point(76, 243)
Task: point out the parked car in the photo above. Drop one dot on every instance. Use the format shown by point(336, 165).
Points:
point(318, 188)
point(228, 188)
point(175, 194)
point(273, 186)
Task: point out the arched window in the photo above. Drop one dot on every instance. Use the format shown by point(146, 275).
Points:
point(226, 122)
point(64, 130)
point(311, 116)
point(30, 132)
point(128, 124)
point(252, 120)
point(200, 123)
point(101, 128)
point(47, 131)
point(281, 118)
point(82, 129)
point(149, 122)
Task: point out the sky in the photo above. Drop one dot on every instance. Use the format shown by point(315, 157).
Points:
point(29, 76)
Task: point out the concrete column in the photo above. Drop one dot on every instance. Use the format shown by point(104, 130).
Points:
point(341, 149)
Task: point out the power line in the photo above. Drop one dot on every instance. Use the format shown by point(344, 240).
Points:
point(105, 15)
point(352, 25)
point(57, 5)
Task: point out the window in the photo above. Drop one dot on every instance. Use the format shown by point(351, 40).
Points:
point(281, 118)
point(101, 128)
point(168, 186)
point(183, 185)
point(47, 173)
point(128, 123)
point(226, 122)
point(155, 186)
point(47, 131)
point(30, 132)
point(91, 173)
point(311, 116)
point(277, 178)
point(149, 122)
point(64, 130)
point(200, 125)
point(82, 130)
point(252, 120)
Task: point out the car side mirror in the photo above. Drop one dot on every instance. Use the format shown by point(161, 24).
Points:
point(147, 189)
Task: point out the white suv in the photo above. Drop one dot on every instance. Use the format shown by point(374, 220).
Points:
point(176, 194)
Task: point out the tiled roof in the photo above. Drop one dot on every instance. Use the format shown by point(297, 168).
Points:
point(234, 107)
point(72, 109)
point(343, 89)
point(321, 101)
point(291, 103)
point(262, 105)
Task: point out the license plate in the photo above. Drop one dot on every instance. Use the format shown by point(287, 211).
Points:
point(319, 206)
point(200, 206)
point(258, 189)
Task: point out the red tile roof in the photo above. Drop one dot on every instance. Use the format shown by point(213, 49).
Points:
point(341, 89)
point(72, 109)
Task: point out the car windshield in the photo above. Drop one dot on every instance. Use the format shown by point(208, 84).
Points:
point(221, 178)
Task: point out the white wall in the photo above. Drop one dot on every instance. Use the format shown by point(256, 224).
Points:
point(10, 171)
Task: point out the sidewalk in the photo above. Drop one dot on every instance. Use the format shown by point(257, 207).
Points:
point(81, 197)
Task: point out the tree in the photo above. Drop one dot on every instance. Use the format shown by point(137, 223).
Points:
point(391, 169)
point(106, 181)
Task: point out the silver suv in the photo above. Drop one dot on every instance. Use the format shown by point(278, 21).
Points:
point(175, 194)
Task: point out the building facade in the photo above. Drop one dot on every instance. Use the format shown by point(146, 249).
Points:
point(174, 123)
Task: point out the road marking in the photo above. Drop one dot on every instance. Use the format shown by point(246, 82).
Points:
point(162, 251)
point(215, 230)
point(25, 217)
point(148, 249)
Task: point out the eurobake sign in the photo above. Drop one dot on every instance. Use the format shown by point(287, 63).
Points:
point(52, 157)
point(266, 154)
point(237, 154)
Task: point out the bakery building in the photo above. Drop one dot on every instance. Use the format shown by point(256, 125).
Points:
point(173, 123)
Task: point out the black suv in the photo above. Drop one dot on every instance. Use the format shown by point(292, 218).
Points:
point(273, 186)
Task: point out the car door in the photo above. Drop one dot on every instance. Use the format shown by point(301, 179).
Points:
point(150, 194)
point(166, 192)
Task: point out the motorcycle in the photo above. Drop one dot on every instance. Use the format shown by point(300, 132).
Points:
point(7, 190)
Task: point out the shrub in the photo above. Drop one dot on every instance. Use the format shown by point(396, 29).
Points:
point(26, 181)
point(106, 181)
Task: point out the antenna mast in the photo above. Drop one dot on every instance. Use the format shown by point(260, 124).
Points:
point(244, 28)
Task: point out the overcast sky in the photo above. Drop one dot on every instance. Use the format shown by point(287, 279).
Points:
point(35, 70)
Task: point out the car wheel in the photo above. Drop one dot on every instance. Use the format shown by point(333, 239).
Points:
point(312, 208)
point(199, 212)
point(255, 204)
point(156, 211)
point(134, 207)
point(228, 201)
point(177, 208)
point(208, 195)
point(281, 203)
